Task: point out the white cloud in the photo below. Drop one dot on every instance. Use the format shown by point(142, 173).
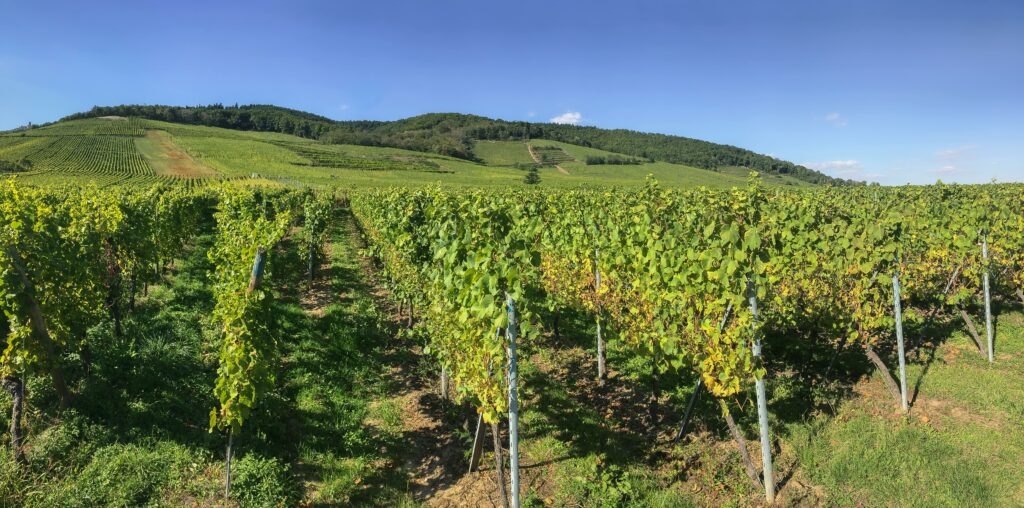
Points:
point(531, 114)
point(343, 107)
point(569, 117)
point(839, 166)
point(953, 160)
point(836, 119)
point(850, 169)
point(957, 152)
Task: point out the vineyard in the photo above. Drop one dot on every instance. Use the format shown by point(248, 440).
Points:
point(226, 343)
point(98, 150)
point(319, 157)
point(690, 282)
point(108, 126)
point(102, 151)
point(551, 154)
point(75, 260)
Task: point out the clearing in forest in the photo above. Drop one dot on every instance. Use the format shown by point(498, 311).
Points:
point(168, 159)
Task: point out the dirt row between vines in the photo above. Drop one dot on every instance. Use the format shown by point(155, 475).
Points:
point(435, 458)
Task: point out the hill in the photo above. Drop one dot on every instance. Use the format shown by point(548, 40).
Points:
point(116, 149)
point(455, 134)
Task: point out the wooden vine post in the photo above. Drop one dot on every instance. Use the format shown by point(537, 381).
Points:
point(689, 408)
point(700, 384)
point(481, 429)
point(762, 410)
point(311, 259)
point(478, 443)
point(444, 383)
point(40, 329)
point(16, 387)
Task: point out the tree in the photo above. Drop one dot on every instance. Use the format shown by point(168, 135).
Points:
point(532, 177)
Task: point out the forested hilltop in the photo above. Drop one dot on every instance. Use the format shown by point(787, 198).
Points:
point(453, 134)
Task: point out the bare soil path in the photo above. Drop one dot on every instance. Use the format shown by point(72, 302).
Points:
point(435, 431)
point(167, 158)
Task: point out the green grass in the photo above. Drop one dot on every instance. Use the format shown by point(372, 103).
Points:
point(960, 445)
point(160, 152)
point(242, 157)
point(878, 462)
point(502, 153)
point(337, 439)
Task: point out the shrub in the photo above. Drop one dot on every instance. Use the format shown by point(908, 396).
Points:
point(126, 475)
point(532, 177)
point(15, 166)
point(73, 440)
point(261, 482)
point(14, 481)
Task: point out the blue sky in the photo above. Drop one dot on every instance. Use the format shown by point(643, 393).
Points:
point(893, 92)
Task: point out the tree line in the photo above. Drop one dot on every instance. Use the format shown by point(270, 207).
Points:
point(596, 160)
point(247, 118)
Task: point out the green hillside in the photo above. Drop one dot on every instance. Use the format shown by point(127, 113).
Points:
point(458, 135)
point(113, 149)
